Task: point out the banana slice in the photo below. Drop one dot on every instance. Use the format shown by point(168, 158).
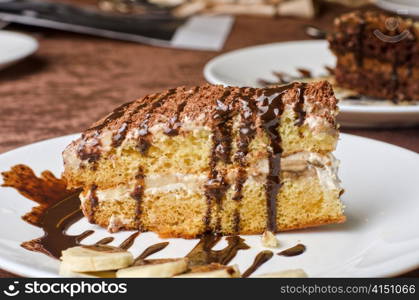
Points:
point(155, 268)
point(96, 258)
point(297, 273)
point(212, 271)
point(65, 271)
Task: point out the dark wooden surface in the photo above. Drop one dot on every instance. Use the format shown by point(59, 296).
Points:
point(74, 79)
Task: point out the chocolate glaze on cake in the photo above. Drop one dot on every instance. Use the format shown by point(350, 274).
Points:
point(137, 195)
point(271, 107)
point(247, 132)
point(93, 202)
point(299, 107)
point(216, 185)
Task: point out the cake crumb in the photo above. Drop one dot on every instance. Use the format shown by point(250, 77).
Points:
point(269, 240)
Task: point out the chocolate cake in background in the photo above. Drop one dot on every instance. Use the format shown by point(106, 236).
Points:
point(377, 55)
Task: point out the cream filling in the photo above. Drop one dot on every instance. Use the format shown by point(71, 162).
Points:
point(325, 167)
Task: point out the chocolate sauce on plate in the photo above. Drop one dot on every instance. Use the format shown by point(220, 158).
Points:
point(203, 254)
point(151, 250)
point(293, 251)
point(260, 259)
point(105, 241)
point(129, 241)
point(58, 208)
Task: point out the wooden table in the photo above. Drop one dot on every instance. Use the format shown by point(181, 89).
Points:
point(74, 79)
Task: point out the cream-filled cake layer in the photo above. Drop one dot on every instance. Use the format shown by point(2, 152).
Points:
point(305, 167)
point(212, 159)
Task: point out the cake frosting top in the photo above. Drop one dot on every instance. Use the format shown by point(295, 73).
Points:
point(205, 104)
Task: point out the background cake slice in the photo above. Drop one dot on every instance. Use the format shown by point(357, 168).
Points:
point(377, 55)
point(212, 159)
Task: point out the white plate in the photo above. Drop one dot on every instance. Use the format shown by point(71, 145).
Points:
point(380, 238)
point(246, 66)
point(402, 7)
point(14, 47)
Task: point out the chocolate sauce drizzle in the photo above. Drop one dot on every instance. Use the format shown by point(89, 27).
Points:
point(137, 195)
point(143, 143)
point(103, 248)
point(151, 250)
point(260, 259)
point(173, 124)
point(58, 208)
point(121, 133)
point(270, 110)
point(93, 200)
point(202, 253)
point(299, 106)
point(216, 186)
point(55, 221)
point(105, 241)
point(247, 132)
point(129, 241)
point(293, 251)
point(92, 156)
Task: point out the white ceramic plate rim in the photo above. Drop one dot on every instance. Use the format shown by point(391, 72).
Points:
point(404, 263)
point(379, 109)
point(31, 45)
point(397, 7)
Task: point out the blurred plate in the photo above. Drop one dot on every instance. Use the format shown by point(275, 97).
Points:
point(14, 47)
point(402, 7)
point(245, 67)
point(380, 237)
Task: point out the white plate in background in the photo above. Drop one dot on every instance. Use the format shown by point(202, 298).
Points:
point(380, 237)
point(401, 7)
point(244, 67)
point(14, 47)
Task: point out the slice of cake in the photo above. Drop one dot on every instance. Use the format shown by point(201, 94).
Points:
point(377, 55)
point(212, 159)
